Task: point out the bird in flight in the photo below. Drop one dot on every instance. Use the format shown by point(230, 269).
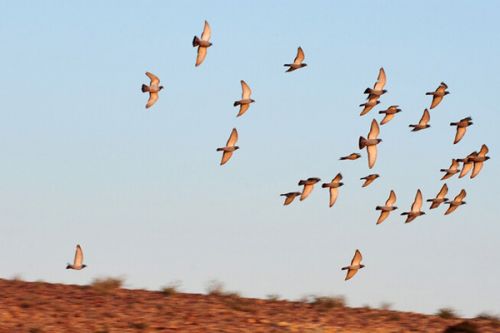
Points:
point(458, 201)
point(415, 208)
point(308, 186)
point(461, 128)
point(371, 143)
point(452, 170)
point(388, 208)
point(350, 157)
point(423, 123)
point(333, 186)
point(369, 179)
point(440, 197)
point(245, 100)
point(230, 147)
point(298, 62)
point(437, 96)
point(202, 43)
point(467, 164)
point(290, 196)
point(478, 160)
point(355, 265)
point(375, 93)
point(389, 113)
point(153, 89)
point(78, 261)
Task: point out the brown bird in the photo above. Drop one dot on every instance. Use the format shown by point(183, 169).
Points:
point(290, 196)
point(308, 186)
point(78, 261)
point(369, 179)
point(415, 208)
point(440, 197)
point(245, 100)
point(375, 93)
point(458, 201)
point(350, 157)
point(333, 186)
point(423, 123)
point(369, 105)
point(478, 160)
point(389, 113)
point(461, 128)
point(371, 143)
point(202, 43)
point(452, 170)
point(467, 164)
point(388, 208)
point(437, 96)
point(355, 265)
point(297, 62)
point(153, 89)
point(230, 147)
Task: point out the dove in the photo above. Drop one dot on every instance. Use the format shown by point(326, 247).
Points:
point(350, 157)
point(369, 179)
point(333, 186)
point(378, 88)
point(202, 43)
point(458, 201)
point(478, 160)
point(452, 170)
point(461, 128)
point(437, 96)
point(308, 186)
point(388, 208)
point(371, 143)
point(297, 62)
point(415, 208)
point(369, 105)
point(389, 113)
point(78, 261)
point(467, 164)
point(230, 147)
point(153, 89)
point(245, 100)
point(440, 197)
point(290, 196)
point(355, 265)
point(423, 123)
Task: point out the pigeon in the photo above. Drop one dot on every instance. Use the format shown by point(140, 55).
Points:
point(389, 113)
point(78, 261)
point(479, 160)
point(369, 105)
point(378, 88)
point(290, 196)
point(202, 43)
point(369, 179)
point(440, 197)
point(350, 157)
point(355, 265)
point(461, 128)
point(415, 208)
point(423, 123)
point(308, 186)
point(388, 208)
point(153, 89)
point(245, 100)
point(297, 62)
point(333, 186)
point(371, 143)
point(230, 147)
point(467, 164)
point(437, 96)
point(458, 201)
point(452, 170)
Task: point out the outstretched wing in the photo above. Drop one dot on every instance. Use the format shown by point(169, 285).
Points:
point(306, 191)
point(202, 53)
point(154, 80)
point(356, 260)
point(333, 195)
point(243, 108)
point(233, 138)
point(78, 261)
point(484, 150)
point(477, 168)
point(417, 204)
point(383, 216)
point(372, 155)
point(442, 192)
point(426, 117)
point(225, 157)
point(207, 32)
point(391, 200)
point(246, 91)
point(435, 101)
point(460, 134)
point(460, 197)
point(381, 80)
point(153, 97)
point(350, 274)
point(374, 130)
point(300, 56)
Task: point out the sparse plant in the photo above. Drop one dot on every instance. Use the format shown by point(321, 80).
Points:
point(385, 306)
point(488, 316)
point(273, 297)
point(446, 313)
point(324, 303)
point(171, 289)
point(106, 285)
point(215, 288)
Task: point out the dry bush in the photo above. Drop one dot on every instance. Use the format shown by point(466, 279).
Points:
point(488, 316)
point(324, 303)
point(446, 313)
point(171, 289)
point(106, 285)
point(273, 297)
point(215, 288)
point(385, 306)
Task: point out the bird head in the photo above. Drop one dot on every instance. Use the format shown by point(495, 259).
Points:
point(252, 100)
point(398, 110)
point(486, 158)
point(446, 92)
point(394, 207)
point(304, 65)
point(427, 126)
point(379, 140)
point(361, 266)
point(423, 213)
point(384, 91)
point(68, 266)
point(236, 147)
point(463, 203)
point(83, 266)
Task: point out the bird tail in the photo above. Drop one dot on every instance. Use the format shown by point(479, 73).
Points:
point(405, 213)
point(378, 208)
point(368, 91)
point(453, 124)
point(362, 142)
point(220, 149)
point(429, 93)
point(196, 41)
point(324, 185)
point(287, 65)
point(302, 182)
point(145, 88)
point(430, 200)
point(344, 268)
point(236, 103)
point(382, 112)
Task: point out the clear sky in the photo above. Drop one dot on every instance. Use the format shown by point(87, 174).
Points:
point(142, 191)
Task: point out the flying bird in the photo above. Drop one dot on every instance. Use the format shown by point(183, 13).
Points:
point(333, 186)
point(245, 100)
point(375, 93)
point(437, 96)
point(351, 157)
point(153, 89)
point(461, 128)
point(308, 186)
point(371, 143)
point(440, 197)
point(423, 123)
point(230, 147)
point(369, 179)
point(415, 208)
point(369, 105)
point(355, 265)
point(202, 43)
point(452, 170)
point(297, 62)
point(478, 160)
point(290, 196)
point(78, 261)
point(389, 113)
point(388, 208)
point(458, 201)
point(467, 164)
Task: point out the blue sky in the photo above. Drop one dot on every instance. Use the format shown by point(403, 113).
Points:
point(83, 162)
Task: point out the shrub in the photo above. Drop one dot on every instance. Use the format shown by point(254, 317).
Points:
point(171, 288)
point(324, 303)
point(385, 306)
point(106, 285)
point(273, 297)
point(488, 316)
point(216, 288)
point(446, 313)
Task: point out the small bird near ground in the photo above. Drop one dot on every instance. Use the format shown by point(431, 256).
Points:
point(78, 261)
point(440, 197)
point(369, 179)
point(333, 186)
point(461, 128)
point(438, 94)
point(153, 89)
point(308, 186)
point(415, 208)
point(388, 208)
point(375, 93)
point(355, 265)
point(298, 62)
point(351, 157)
point(452, 170)
point(423, 123)
point(371, 143)
point(230, 147)
point(202, 43)
point(245, 100)
point(290, 196)
point(458, 201)
point(389, 113)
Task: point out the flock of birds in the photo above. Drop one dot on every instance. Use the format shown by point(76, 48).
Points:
point(474, 161)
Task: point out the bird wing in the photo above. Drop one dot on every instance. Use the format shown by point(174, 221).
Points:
point(466, 168)
point(243, 109)
point(425, 118)
point(225, 157)
point(372, 155)
point(454, 165)
point(289, 199)
point(442, 192)
point(202, 53)
point(387, 118)
point(383, 216)
point(368, 181)
point(417, 204)
point(460, 197)
point(337, 178)
point(246, 91)
point(333, 195)
point(374, 130)
point(233, 138)
point(300, 56)
point(381, 80)
point(484, 150)
point(207, 32)
point(154, 79)
point(477, 168)
point(356, 260)
point(306, 191)
point(435, 101)
point(78, 256)
point(350, 274)
point(391, 200)
point(460, 134)
point(153, 97)
point(450, 209)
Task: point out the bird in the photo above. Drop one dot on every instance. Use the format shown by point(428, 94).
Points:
point(368, 105)
point(458, 201)
point(333, 186)
point(415, 208)
point(153, 89)
point(461, 128)
point(388, 208)
point(389, 113)
point(378, 88)
point(440, 197)
point(369, 179)
point(308, 186)
point(351, 157)
point(452, 170)
point(355, 265)
point(202, 43)
point(437, 96)
point(290, 196)
point(245, 100)
point(297, 62)
point(78, 261)
point(478, 160)
point(423, 123)
point(467, 164)
point(371, 143)
point(230, 147)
